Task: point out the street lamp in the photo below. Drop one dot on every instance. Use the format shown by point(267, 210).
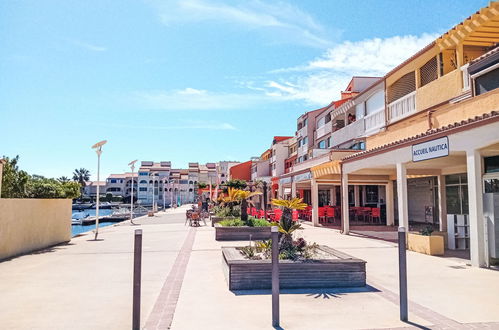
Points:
point(98, 149)
point(132, 166)
point(152, 207)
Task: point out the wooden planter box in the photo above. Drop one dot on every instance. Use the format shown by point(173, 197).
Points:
point(432, 245)
point(342, 271)
point(241, 233)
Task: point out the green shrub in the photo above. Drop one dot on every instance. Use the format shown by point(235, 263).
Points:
point(224, 212)
point(232, 222)
point(426, 231)
point(254, 222)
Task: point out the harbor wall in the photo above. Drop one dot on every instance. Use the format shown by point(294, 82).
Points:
point(28, 225)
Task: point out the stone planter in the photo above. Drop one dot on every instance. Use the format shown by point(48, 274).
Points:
point(432, 245)
point(341, 270)
point(241, 233)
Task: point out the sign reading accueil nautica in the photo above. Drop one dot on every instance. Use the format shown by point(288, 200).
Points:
point(431, 149)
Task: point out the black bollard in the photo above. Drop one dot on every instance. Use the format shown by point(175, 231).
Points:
point(137, 268)
point(275, 276)
point(403, 275)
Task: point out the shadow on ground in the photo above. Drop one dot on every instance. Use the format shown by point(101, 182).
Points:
point(324, 293)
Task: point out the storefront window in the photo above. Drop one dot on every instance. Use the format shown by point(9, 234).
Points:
point(372, 194)
point(491, 185)
point(491, 164)
point(457, 194)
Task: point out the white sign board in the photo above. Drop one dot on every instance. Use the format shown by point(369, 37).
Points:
point(431, 149)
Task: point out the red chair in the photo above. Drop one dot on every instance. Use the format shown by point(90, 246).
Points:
point(277, 215)
point(322, 214)
point(261, 214)
point(376, 213)
point(294, 215)
point(330, 213)
point(254, 212)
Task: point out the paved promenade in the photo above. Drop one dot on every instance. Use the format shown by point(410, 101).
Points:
point(88, 285)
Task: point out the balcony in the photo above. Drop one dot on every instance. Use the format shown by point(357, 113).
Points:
point(301, 132)
point(350, 132)
point(323, 130)
point(403, 107)
point(319, 152)
point(302, 150)
point(374, 121)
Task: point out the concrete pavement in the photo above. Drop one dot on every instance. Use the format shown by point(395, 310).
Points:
point(88, 285)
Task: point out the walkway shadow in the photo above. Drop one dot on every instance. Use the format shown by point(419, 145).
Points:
point(419, 326)
point(49, 249)
point(324, 293)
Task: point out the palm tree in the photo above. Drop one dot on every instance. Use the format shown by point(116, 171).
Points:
point(63, 179)
point(244, 196)
point(81, 176)
point(287, 225)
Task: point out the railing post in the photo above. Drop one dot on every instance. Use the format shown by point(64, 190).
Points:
point(275, 276)
point(137, 267)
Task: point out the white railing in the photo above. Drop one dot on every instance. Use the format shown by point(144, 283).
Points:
point(323, 130)
point(466, 77)
point(374, 121)
point(303, 149)
point(402, 107)
point(348, 133)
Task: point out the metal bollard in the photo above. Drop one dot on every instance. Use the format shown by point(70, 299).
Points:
point(137, 267)
point(275, 276)
point(404, 314)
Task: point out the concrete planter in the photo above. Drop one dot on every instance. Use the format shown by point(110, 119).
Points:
point(432, 245)
point(341, 270)
point(241, 233)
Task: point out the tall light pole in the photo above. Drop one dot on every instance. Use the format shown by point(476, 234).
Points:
point(171, 193)
point(98, 149)
point(152, 192)
point(132, 166)
point(164, 196)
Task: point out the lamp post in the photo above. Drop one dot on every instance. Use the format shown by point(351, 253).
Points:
point(152, 207)
point(98, 149)
point(164, 196)
point(132, 166)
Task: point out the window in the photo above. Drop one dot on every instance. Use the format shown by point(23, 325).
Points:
point(321, 122)
point(359, 110)
point(113, 180)
point(143, 173)
point(491, 164)
point(304, 141)
point(371, 194)
point(143, 181)
point(456, 189)
point(328, 118)
point(322, 144)
point(375, 103)
point(428, 72)
point(305, 122)
point(142, 189)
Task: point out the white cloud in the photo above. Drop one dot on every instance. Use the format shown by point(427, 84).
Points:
point(320, 81)
point(88, 46)
point(195, 99)
point(289, 23)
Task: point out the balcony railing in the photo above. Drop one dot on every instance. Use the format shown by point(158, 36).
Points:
point(348, 133)
point(374, 121)
point(303, 149)
point(466, 77)
point(323, 130)
point(402, 107)
point(302, 132)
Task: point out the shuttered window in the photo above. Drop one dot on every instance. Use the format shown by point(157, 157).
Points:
point(428, 72)
point(405, 85)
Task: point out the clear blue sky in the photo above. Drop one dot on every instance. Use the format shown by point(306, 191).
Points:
point(188, 80)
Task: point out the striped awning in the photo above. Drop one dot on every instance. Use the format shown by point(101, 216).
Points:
point(329, 168)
